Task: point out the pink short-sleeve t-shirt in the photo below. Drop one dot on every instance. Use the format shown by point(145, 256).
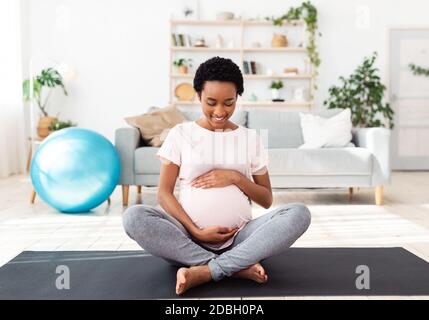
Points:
point(196, 151)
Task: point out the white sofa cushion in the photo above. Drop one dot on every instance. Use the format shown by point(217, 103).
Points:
point(321, 132)
point(324, 162)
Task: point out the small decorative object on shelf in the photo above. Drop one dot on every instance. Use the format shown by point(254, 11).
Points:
point(298, 94)
point(183, 65)
point(253, 97)
point(290, 71)
point(225, 15)
point(275, 90)
point(279, 40)
point(231, 44)
point(200, 42)
point(307, 65)
point(256, 44)
point(184, 92)
point(219, 41)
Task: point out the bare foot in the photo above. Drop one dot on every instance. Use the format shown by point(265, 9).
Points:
point(256, 273)
point(191, 277)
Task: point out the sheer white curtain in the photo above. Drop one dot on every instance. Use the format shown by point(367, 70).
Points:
point(12, 138)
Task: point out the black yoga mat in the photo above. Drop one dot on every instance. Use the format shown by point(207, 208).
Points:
point(138, 275)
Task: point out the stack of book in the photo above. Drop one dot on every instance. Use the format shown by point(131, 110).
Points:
point(181, 40)
point(250, 67)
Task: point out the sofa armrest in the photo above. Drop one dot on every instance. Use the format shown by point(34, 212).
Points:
point(377, 140)
point(127, 140)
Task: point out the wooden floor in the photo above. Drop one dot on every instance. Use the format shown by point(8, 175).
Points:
point(402, 221)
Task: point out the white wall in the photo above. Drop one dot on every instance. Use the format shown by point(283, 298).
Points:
point(119, 48)
point(12, 140)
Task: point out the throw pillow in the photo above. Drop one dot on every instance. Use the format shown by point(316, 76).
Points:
point(321, 132)
point(155, 124)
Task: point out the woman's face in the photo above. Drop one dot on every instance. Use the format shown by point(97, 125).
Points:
point(218, 99)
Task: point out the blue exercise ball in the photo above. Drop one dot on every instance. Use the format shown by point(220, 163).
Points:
point(75, 170)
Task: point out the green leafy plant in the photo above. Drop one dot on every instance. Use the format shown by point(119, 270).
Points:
point(363, 93)
point(307, 12)
point(58, 125)
point(48, 78)
point(183, 62)
point(418, 71)
point(276, 85)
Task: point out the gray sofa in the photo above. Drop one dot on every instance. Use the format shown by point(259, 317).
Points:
point(366, 165)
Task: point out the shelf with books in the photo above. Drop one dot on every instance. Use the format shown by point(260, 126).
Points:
point(249, 43)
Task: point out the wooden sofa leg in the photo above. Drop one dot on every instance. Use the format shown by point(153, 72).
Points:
point(125, 190)
point(379, 195)
point(33, 197)
point(139, 189)
point(350, 194)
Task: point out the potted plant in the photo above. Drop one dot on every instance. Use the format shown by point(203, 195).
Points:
point(307, 12)
point(363, 93)
point(275, 89)
point(183, 65)
point(58, 125)
point(50, 79)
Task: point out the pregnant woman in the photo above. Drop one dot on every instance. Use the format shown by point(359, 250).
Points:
point(209, 232)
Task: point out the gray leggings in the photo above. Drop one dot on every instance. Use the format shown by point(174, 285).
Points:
point(162, 235)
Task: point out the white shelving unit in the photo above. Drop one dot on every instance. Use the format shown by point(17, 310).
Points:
point(243, 33)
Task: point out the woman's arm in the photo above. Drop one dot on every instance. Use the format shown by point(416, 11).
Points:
point(258, 191)
point(167, 200)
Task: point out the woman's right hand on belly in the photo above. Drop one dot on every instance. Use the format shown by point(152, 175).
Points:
point(214, 234)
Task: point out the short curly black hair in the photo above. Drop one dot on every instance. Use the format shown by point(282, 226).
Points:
point(218, 69)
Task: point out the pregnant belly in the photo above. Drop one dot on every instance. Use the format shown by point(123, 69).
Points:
point(226, 207)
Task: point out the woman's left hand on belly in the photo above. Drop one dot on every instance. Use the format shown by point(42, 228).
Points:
point(217, 178)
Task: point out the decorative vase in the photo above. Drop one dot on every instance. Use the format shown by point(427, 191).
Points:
point(279, 40)
point(43, 126)
point(275, 94)
point(183, 69)
point(299, 94)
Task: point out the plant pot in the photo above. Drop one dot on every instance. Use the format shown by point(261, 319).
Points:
point(183, 69)
point(275, 94)
point(43, 126)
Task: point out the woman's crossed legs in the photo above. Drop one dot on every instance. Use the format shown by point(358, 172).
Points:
point(163, 236)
